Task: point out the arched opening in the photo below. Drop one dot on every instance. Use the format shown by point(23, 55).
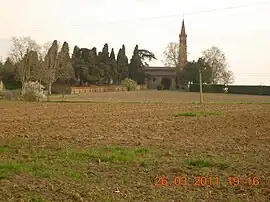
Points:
point(166, 82)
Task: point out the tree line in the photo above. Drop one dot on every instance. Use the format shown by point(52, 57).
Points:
point(28, 62)
point(53, 63)
point(213, 65)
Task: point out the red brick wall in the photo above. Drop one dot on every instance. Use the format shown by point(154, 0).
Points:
point(100, 89)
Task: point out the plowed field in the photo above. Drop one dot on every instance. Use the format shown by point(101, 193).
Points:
point(134, 151)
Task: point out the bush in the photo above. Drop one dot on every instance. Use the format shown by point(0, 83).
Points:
point(12, 94)
point(30, 96)
point(130, 84)
point(160, 87)
point(9, 85)
point(207, 88)
point(8, 94)
point(33, 91)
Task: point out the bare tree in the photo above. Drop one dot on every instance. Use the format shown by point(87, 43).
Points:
point(21, 46)
point(25, 53)
point(227, 77)
point(171, 55)
point(219, 66)
point(57, 64)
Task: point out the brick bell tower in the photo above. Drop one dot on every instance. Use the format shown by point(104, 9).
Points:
point(182, 54)
point(182, 46)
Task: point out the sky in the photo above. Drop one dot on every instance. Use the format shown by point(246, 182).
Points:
point(242, 34)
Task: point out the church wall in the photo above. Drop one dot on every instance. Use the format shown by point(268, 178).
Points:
point(154, 82)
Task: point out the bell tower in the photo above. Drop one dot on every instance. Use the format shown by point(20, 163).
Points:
point(182, 47)
point(182, 59)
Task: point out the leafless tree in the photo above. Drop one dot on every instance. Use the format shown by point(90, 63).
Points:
point(227, 77)
point(21, 46)
point(25, 54)
point(171, 55)
point(219, 66)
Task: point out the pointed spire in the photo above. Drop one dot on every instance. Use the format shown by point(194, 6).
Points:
point(183, 30)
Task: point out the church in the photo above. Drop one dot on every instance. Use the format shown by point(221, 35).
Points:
point(169, 76)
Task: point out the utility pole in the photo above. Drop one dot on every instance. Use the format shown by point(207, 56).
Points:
point(201, 93)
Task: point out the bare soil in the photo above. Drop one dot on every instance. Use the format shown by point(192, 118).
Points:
point(163, 96)
point(126, 151)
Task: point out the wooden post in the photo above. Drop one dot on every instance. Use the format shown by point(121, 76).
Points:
point(201, 93)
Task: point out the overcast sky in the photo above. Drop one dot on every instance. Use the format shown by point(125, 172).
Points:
point(243, 34)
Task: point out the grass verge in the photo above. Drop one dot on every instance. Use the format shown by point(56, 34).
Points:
point(48, 164)
point(200, 113)
point(207, 162)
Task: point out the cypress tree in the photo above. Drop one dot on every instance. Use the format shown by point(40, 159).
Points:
point(104, 62)
point(122, 64)
point(137, 64)
point(113, 67)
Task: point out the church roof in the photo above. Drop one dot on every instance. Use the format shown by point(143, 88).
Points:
point(160, 68)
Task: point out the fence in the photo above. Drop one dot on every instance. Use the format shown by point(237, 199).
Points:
point(207, 88)
point(233, 89)
point(249, 90)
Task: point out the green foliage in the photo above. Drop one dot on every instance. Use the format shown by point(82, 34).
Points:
point(94, 68)
point(110, 154)
point(12, 84)
point(86, 66)
point(137, 64)
point(40, 162)
point(191, 71)
point(200, 113)
point(75, 58)
point(113, 67)
point(29, 96)
point(146, 54)
point(213, 65)
point(81, 64)
point(250, 90)
point(9, 75)
point(206, 161)
point(104, 64)
point(36, 198)
point(207, 88)
point(122, 65)
point(29, 68)
point(130, 84)
point(57, 65)
point(235, 89)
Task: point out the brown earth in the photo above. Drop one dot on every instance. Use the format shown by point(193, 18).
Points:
point(163, 96)
point(117, 151)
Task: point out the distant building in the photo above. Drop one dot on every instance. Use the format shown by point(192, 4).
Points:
point(169, 77)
